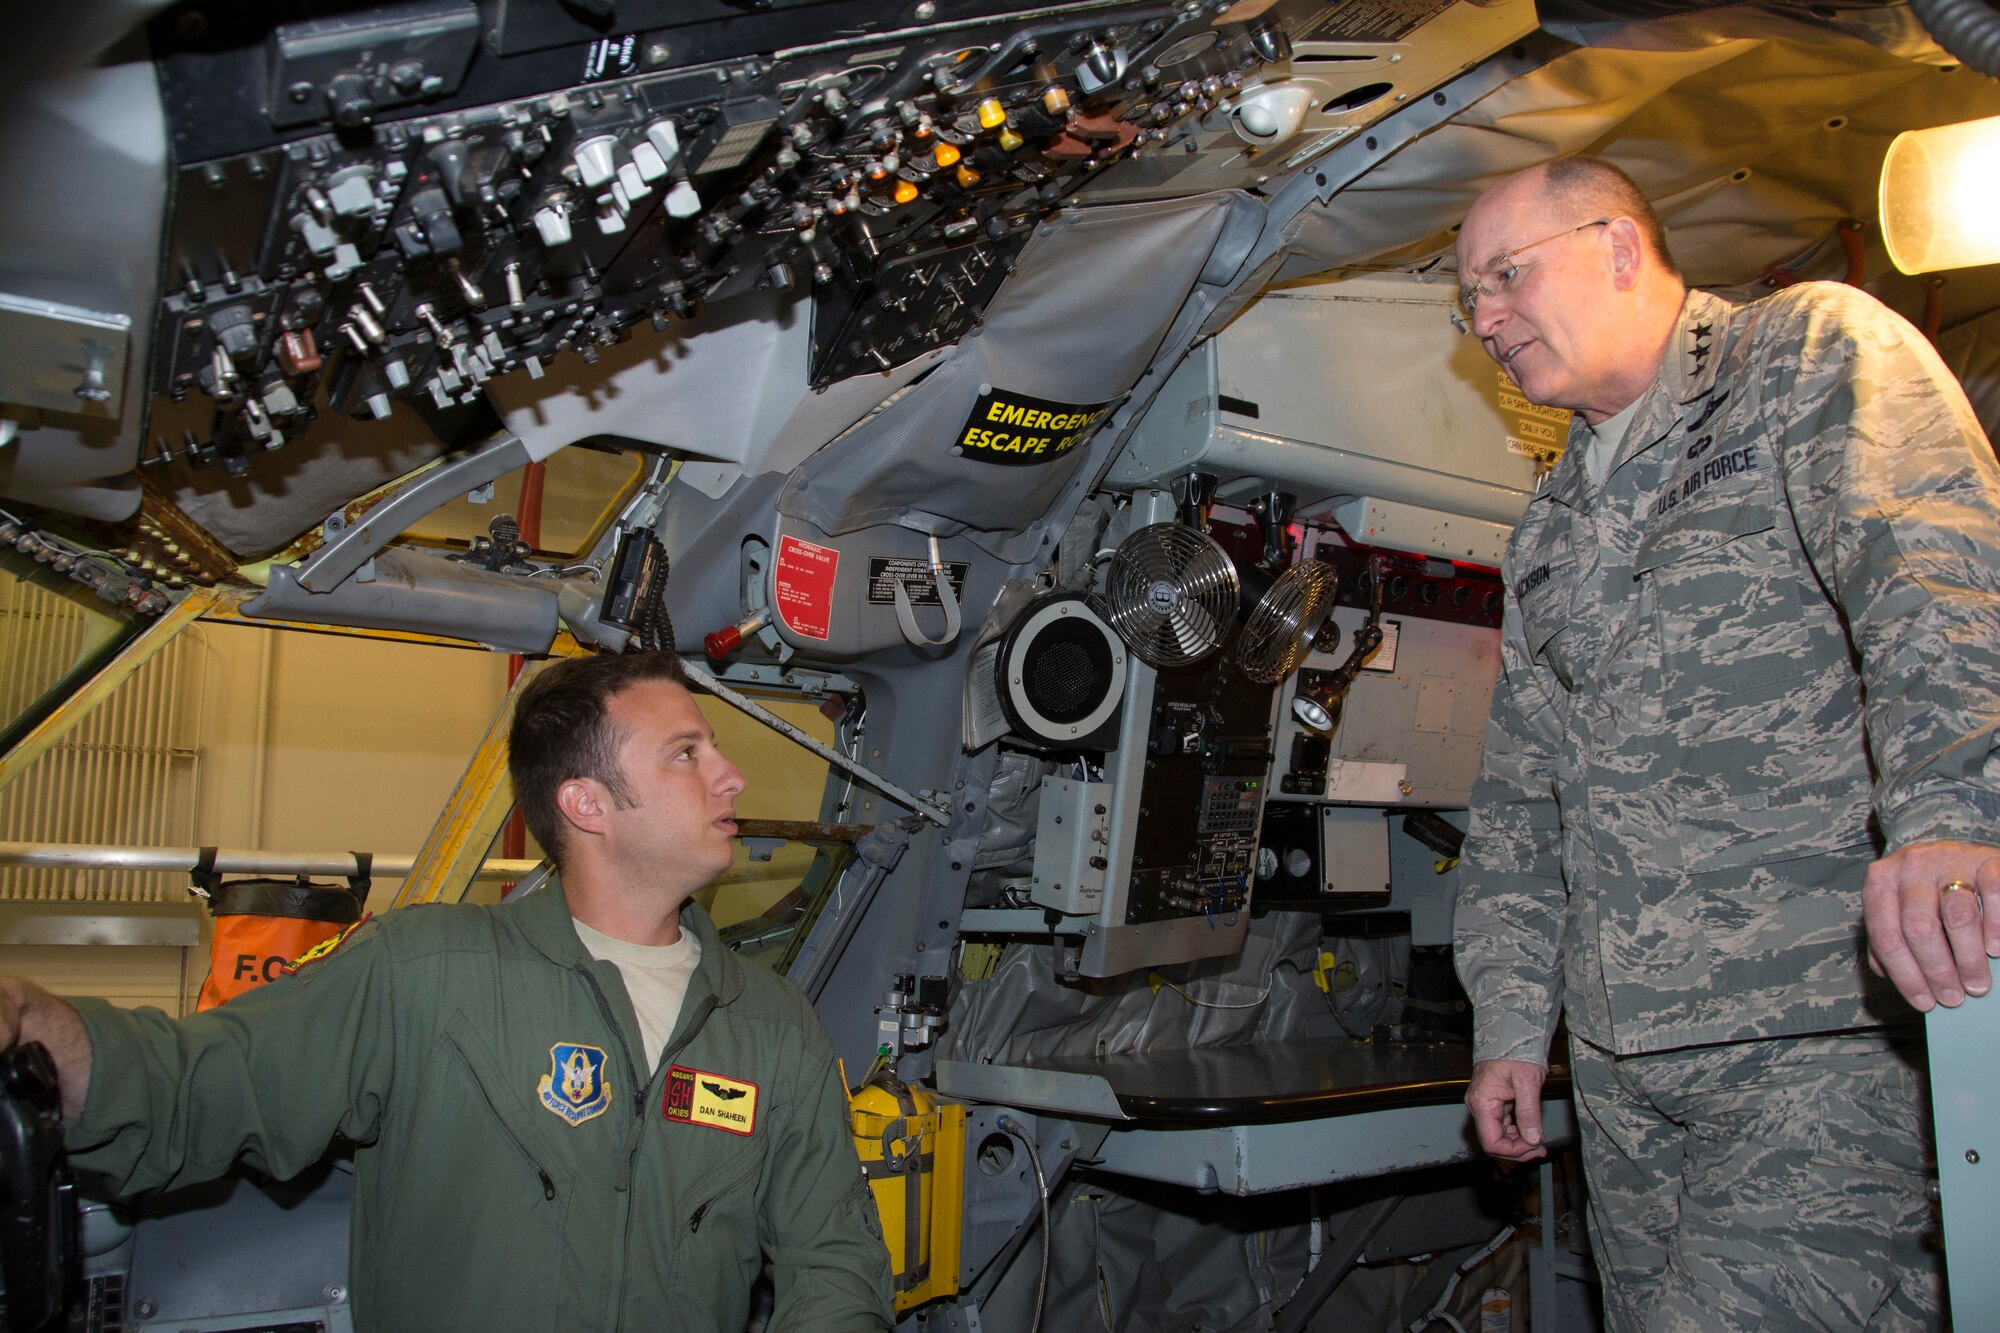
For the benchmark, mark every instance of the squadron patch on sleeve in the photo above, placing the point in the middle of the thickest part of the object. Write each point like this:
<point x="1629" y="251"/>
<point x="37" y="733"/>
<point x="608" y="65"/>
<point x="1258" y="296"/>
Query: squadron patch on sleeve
<point x="701" y="1098"/>
<point x="575" y="1087"/>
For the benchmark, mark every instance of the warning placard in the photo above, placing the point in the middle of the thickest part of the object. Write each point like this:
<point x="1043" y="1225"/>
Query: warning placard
<point x="1366" y="20"/>
<point x="1534" y="431"/>
<point x="802" y="586"/>
<point x="1015" y="429"/>
<point x="916" y="576"/>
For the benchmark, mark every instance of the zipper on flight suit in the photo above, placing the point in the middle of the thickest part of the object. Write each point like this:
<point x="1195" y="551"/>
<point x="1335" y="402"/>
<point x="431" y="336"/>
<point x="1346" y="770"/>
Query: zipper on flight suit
<point x="610" y="1021"/>
<point x="548" y="1182"/>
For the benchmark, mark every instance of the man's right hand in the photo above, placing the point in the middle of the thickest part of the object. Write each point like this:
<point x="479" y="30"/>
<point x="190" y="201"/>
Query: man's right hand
<point x="10" y="1013"/>
<point x="29" y="1013"/>
<point x="1505" y="1099"/>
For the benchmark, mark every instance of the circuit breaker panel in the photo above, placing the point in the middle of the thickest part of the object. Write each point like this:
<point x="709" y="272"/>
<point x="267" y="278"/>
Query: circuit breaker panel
<point x="1208" y="749"/>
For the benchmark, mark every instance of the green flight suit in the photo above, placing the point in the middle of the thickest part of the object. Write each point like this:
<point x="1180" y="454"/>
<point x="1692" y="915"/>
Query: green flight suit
<point x="515" y="1170"/>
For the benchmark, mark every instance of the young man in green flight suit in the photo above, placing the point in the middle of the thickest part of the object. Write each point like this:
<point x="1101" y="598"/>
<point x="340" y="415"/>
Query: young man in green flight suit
<point x="576" y="1109"/>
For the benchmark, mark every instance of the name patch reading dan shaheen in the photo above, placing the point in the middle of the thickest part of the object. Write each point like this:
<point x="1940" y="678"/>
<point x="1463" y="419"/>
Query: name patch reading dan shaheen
<point x="1015" y="429"/>
<point x="699" y="1097"/>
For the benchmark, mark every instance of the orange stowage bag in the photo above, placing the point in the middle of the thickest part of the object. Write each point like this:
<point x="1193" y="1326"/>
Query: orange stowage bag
<point x="262" y="926"/>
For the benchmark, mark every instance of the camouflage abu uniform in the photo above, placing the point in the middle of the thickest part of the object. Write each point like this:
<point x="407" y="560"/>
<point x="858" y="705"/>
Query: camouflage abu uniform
<point x="1673" y="812"/>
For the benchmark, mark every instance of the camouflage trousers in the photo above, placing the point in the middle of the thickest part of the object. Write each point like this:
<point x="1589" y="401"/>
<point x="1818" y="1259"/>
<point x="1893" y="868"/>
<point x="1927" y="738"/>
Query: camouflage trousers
<point x="1761" y="1185"/>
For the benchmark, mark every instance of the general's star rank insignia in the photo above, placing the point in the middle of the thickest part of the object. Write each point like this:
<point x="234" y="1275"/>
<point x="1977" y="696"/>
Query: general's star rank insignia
<point x="698" y="1097"/>
<point x="575" y="1087"/>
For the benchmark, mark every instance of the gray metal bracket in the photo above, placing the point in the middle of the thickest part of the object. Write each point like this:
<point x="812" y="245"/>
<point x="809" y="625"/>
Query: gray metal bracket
<point x="1336" y="1264"/>
<point x="1266" y="1158"/>
<point x="930" y="810"/>
<point x="1086" y="1095"/>
<point x="1965" y="1102"/>
<point x="1360" y="153"/>
<point x="349" y="546"/>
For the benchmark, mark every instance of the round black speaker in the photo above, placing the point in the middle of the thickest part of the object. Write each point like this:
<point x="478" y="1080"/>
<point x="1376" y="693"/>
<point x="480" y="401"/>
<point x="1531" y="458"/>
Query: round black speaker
<point x="1061" y="675"/>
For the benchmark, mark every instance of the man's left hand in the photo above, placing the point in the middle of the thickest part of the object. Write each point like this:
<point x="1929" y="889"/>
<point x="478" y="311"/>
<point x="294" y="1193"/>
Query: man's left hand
<point x="1933" y="917"/>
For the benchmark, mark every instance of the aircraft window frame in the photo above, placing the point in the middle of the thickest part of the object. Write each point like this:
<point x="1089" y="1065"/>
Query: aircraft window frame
<point x="440" y="529"/>
<point x="129" y="625"/>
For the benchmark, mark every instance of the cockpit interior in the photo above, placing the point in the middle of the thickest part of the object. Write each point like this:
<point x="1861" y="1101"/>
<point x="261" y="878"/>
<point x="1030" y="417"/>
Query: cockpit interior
<point x="1048" y="434"/>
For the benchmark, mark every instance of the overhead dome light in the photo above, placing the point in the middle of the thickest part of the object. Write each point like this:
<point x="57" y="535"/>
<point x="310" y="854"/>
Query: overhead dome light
<point x="1940" y="197"/>
<point x="1270" y="113"/>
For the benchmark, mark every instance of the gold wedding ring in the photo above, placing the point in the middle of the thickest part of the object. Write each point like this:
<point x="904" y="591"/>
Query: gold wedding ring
<point x="1949" y="885"/>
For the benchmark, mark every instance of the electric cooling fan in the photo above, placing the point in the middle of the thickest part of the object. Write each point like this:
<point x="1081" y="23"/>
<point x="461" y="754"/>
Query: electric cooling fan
<point x="1171" y="594"/>
<point x="1280" y="627"/>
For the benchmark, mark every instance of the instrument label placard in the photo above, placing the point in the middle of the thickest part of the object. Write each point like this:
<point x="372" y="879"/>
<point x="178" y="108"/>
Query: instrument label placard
<point x="802" y="586"/>
<point x="915" y="574"/>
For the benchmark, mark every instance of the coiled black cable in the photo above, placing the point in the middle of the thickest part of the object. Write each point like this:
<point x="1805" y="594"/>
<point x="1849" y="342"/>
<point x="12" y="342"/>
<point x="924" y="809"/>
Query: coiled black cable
<point x="1968" y="30"/>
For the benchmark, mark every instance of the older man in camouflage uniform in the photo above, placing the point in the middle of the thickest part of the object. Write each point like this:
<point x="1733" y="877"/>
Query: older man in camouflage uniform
<point x="1750" y="680"/>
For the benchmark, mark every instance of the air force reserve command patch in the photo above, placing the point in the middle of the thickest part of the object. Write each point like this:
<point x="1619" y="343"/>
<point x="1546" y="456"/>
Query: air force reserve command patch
<point x="575" y="1087"/>
<point x="701" y="1098"/>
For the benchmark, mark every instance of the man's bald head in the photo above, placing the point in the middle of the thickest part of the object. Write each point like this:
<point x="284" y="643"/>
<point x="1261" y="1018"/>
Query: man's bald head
<point x="1590" y="187"/>
<point x="1570" y="286"/>
<point x="1571" y="191"/>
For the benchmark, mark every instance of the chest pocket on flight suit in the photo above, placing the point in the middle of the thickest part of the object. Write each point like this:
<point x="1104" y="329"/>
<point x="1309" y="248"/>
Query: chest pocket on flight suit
<point x="717" y="1174"/>
<point x="1545" y="594"/>
<point x="1751" y="659"/>
<point x="1726" y="596"/>
<point x="508" y="1186"/>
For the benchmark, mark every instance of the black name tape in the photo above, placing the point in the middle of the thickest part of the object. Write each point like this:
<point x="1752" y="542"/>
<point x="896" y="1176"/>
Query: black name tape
<point x="1014" y="429"/>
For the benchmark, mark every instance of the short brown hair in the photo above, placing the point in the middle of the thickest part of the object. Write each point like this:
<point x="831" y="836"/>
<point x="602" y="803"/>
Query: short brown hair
<point x="1589" y="187"/>
<point x="562" y="729"/>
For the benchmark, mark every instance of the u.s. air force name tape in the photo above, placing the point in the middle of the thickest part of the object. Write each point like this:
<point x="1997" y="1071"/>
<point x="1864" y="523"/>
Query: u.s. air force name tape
<point x="1014" y="429"/>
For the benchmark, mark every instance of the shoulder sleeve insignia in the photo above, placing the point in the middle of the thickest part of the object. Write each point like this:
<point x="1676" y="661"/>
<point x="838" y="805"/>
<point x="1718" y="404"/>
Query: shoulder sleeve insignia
<point x="325" y="946"/>
<point x="575" y="1088"/>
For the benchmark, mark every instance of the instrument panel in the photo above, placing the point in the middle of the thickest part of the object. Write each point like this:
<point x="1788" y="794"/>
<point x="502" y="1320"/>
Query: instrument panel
<point x="403" y="202"/>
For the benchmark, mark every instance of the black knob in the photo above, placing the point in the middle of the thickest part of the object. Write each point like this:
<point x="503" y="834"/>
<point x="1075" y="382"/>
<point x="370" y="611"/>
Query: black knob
<point x="1103" y="63"/>
<point x="1271" y="43"/>
<point x="351" y="101"/>
<point x="234" y="327"/>
<point x="460" y="186"/>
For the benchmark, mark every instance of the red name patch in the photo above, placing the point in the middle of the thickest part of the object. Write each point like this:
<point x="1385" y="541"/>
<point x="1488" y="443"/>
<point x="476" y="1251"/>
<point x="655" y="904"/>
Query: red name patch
<point x="698" y="1097"/>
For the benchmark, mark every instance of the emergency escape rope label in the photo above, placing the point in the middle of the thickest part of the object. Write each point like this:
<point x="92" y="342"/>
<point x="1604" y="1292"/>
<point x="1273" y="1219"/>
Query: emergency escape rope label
<point x="802" y="586"/>
<point x="915" y="574"/>
<point x="1017" y="430"/>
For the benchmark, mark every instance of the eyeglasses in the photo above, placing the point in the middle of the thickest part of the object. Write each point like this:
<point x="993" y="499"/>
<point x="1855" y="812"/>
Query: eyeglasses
<point x="1506" y="270"/>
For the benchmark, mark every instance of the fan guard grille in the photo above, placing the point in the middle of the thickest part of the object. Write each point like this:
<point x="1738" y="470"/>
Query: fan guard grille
<point x="1171" y="594"/>
<point x="1274" y="640"/>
